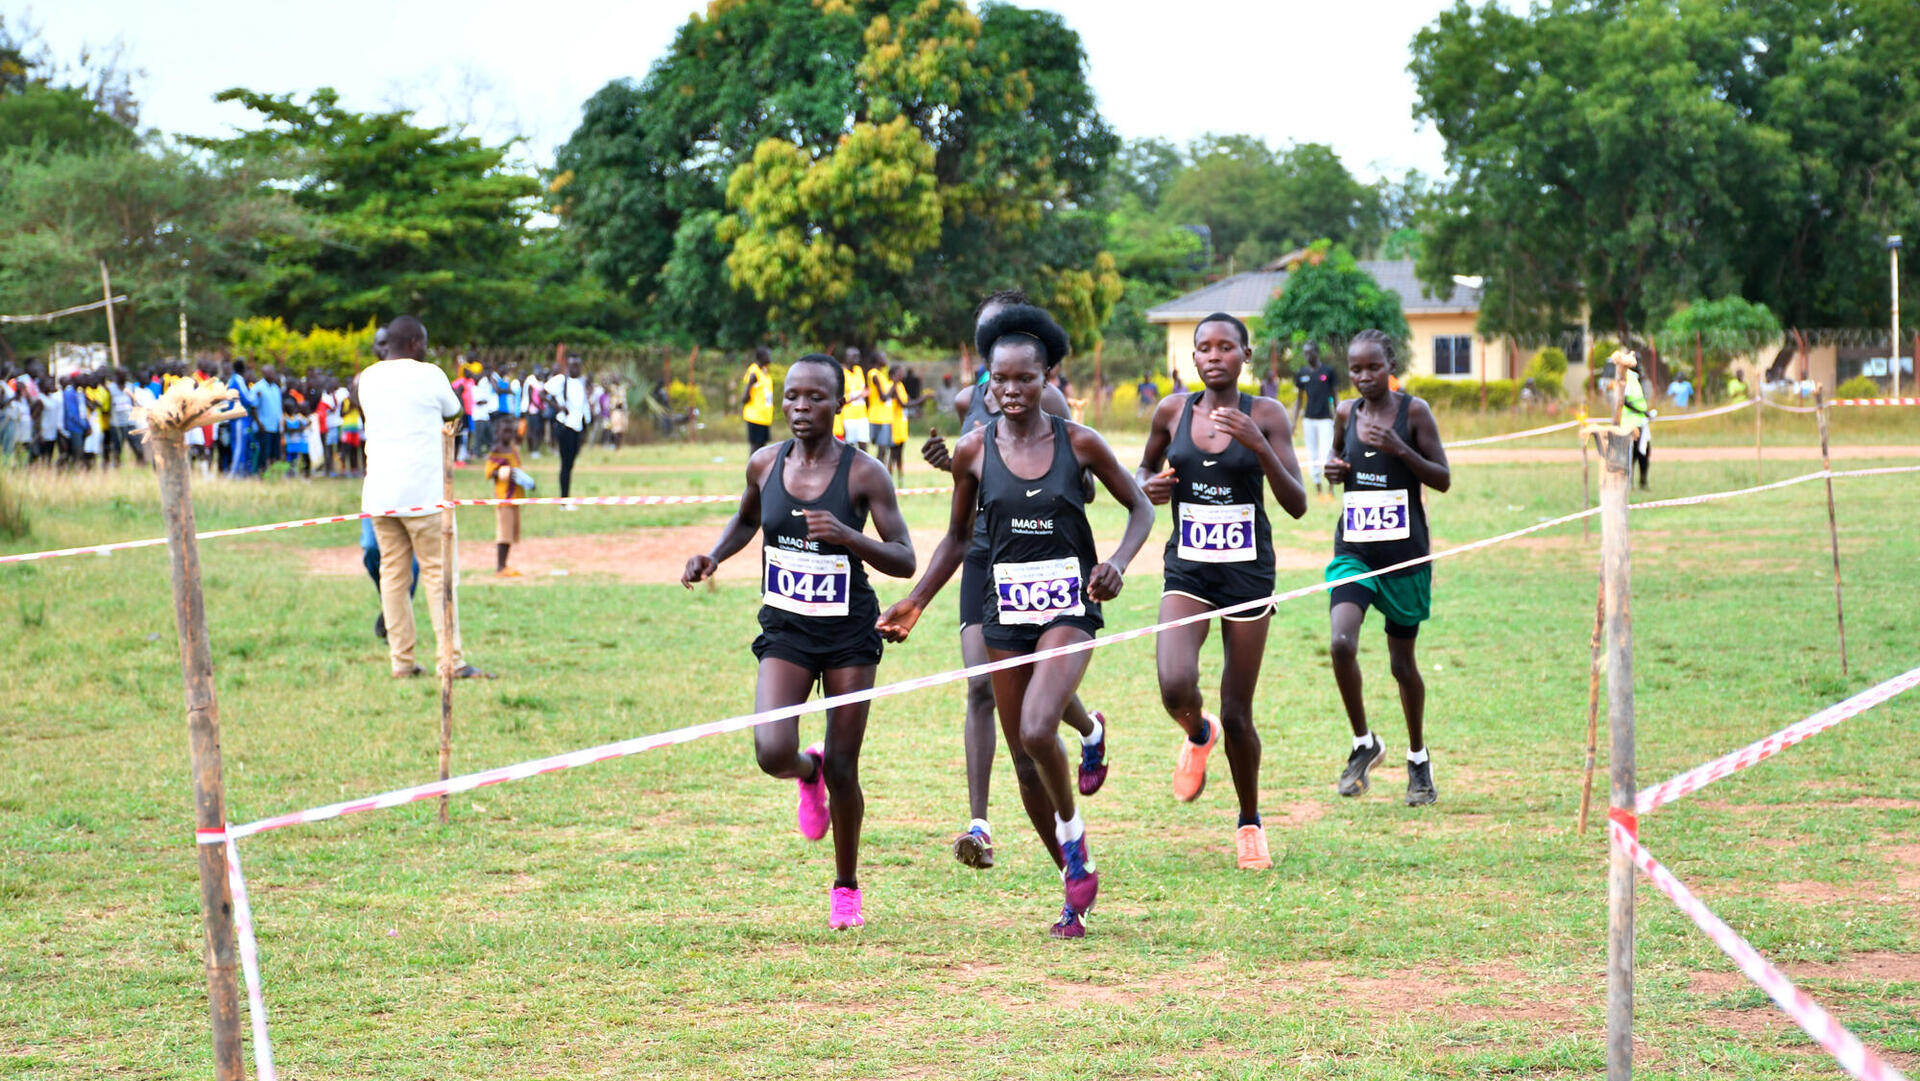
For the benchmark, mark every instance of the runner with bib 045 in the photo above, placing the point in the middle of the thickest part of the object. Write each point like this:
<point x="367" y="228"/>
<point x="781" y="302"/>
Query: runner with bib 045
<point x="1022" y="472"/>
<point x="1386" y="447"/>
<point x="1223" y="447"/>
<point x="809" y="497"/>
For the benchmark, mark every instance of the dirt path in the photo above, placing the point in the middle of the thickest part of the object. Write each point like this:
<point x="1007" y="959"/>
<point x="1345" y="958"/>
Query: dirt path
<point x="658" y="555"/>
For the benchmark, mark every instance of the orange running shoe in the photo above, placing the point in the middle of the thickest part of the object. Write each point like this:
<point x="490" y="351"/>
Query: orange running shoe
<point x="1190" y="771"/>
<point x="507" y="572"/>
<point x="1250" y="842"/>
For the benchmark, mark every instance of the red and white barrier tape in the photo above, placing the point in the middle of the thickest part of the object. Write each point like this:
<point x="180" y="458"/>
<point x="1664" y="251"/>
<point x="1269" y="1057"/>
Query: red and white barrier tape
<point x="250" y="966"/>
<point x="1513" y="435"/>
<point x="1770" y="404"/>
<point x="1719" y="410"/>
<point x="272" y="527"/>
<point x="1854" y="1057"/>
<point x="1876" y="401"/>
<point x="1726" y="765"/>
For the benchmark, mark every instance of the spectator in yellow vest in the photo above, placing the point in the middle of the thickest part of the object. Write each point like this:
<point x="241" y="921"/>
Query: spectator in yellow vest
<point x="756" y="405"/>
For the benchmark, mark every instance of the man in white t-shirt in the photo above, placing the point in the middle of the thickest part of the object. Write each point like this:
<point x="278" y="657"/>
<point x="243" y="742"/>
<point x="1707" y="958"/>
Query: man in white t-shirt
<point x="569" y="390"/>
<point x="404" y="401"/>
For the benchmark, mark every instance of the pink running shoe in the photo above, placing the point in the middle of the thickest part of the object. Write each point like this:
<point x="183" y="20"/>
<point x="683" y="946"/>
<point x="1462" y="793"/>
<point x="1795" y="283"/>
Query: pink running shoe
<point x="1081" y="881"/>
<point x="845" y="910"/>
<point x="814" y="820"/>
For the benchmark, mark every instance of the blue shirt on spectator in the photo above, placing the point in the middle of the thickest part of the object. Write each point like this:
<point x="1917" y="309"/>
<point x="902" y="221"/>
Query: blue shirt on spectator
<point x="266" y="398"/>
<point x="73" y="412"/>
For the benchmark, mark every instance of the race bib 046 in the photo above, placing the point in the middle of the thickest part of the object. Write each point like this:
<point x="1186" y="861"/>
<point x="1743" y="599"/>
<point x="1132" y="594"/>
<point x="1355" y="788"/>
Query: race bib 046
<point x="1031" y="594"/>
<point x="807" y="583"/>
<point x="1216" y="534"/>
<point x="1375" y="516"/>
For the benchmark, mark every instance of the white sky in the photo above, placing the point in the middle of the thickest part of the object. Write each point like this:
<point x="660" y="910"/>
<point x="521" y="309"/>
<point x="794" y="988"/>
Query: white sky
<point x="1284" y="70"/>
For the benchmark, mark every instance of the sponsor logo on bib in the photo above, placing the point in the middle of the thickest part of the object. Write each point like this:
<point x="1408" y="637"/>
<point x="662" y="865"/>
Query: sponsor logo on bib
<point x="1211" y="534"/>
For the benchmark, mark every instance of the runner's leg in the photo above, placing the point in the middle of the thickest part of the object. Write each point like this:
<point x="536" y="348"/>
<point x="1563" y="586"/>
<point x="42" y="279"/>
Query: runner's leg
<point x="979" y="736"/>
<point x="1009" y="687"/>
<point x="1344" y="651"/>
<point x="1413" y="690"/>
<point x="846" y="730"/>
<point x="776" y="746"/>
<point x="1177" y="656"/>
<point x="1246" y="644"/>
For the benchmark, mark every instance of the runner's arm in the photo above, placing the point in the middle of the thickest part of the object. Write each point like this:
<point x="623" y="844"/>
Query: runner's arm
<point x="740" y="528"/>
<point x="1426" y="457"/>
<point x="891" y="553"/>
<point x="1156" y="482"/>
<point x="1336" y="469"/>
<point x="1277" y="459"/>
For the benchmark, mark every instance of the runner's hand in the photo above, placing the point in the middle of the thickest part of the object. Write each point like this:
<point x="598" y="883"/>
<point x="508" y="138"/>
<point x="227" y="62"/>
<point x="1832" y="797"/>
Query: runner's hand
<point x="1337" y="471"/>
<point x="699" y="568"/>
<point x="824" y="527"/>
<point x="1376" y="434"/>
<point x="1239" y="426"/>
<point x="1103" y="582"/>
<point x="934" y="452"/>
<point x="897" y="622"/>
<point x="1159" y="487"/>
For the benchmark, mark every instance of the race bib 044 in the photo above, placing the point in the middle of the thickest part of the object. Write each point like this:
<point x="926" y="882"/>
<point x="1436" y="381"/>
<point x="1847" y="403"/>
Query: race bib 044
<point x="1375" y="516"/>
<point x="807" y="583"/>
<point x="1216" y="534"/>
<point x="1031" y="594"/>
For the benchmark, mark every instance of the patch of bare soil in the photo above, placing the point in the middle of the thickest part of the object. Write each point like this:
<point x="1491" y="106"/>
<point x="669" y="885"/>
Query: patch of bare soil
<point x="1882" y="966"/>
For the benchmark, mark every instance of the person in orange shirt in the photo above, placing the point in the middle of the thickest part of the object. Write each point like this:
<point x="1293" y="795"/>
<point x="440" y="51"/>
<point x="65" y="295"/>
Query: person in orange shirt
<point x="503" y="462"/>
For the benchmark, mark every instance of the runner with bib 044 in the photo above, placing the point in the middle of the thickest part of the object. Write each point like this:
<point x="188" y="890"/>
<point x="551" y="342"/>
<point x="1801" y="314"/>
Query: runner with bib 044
<point x="809" y="497"/>
<point x="1022" y="472"/>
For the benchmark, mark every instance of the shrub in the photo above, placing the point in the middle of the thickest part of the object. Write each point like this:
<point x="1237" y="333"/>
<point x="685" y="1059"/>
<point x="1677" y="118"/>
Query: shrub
<point x="15" y="522"/>
<point x="681" y="395"/>
<point x="1548" y="370"/>
<point x="1462" y="393"/>
<point x="1860" y="386"/>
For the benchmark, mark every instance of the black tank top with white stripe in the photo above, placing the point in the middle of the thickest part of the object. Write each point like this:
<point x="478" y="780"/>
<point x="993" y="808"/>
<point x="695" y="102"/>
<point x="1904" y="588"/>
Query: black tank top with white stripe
<point x="809" y="587"/>
<point x="1038" y="540"/>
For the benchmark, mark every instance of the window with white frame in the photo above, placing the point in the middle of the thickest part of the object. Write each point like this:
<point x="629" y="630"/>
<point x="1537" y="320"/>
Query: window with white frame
<point x="1453" y="354"/>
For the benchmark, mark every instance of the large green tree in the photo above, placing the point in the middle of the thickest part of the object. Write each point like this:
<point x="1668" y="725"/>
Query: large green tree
<point x="1637" y="153"/>
<point x="404" y="218"/>
<point x="1328" y="299"/>
<point x="998" y="98"/>
<point x="1259" y="204"/>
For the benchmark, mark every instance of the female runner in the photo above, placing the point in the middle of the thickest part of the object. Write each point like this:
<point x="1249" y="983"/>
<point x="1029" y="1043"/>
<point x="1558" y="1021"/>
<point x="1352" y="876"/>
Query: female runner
<point x="1022" y="472"/>
<point x="809" y="498"/>
<point x="1220" y="446"/>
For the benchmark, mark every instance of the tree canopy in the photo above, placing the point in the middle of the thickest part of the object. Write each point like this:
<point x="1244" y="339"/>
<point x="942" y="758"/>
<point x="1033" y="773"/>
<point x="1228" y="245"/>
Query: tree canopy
<point x="1328" y="299"/>
<point x="1639" y="153"/>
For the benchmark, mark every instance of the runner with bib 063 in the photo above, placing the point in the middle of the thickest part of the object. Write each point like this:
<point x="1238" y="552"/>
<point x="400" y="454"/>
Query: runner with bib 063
<point x="1022" y="472"/>
<point x="975" y="406"/>
<point x="1222" y="447"/>
<point x="1386" y="448"/>
<point x="809" y="497"/>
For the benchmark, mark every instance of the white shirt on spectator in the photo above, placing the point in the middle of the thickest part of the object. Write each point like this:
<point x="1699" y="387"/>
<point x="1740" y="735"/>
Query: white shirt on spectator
<point x="403" y="403"/>
<point x="570" y="393"/>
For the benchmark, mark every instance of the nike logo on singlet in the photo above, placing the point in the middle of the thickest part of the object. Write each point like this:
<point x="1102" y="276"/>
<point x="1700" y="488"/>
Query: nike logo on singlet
<point x="1369" y="454"/>
<point x="1031" y="492"/>
<point x="1209" y="461"/>
<point x="798" y="513"/>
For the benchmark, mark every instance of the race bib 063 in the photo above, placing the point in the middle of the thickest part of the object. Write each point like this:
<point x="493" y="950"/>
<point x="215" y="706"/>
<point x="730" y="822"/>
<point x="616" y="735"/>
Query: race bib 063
<point x="1375" y="516"/>
<point x="1032" y="594"/>
<point x="807" y="583"/>
<point x="1216" y="534"/>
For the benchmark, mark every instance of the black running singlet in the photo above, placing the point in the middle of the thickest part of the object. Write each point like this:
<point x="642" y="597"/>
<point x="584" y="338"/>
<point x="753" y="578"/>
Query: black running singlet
<point x="1382" y="519"/>
<point x="808" y="587"/>
<point x="1219" y="510"/>
<point x="1038" y="540"/>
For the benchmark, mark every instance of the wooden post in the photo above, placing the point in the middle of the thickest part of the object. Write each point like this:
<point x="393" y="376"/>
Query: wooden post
<point x="447" y="575"/>
<point x="1586" y="491"/>
<point x="1593" y="695"/>
<point x="1758" y="389"/>
<point x="203" y="744"/>
<point x="1833" y="528"/>
<point x="113" y="336"/>
<point x="1616" y="454"/>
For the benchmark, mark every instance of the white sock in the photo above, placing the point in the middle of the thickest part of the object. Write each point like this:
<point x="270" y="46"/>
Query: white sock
<point x="1360" y="742"/>
<point x="1068" y="829"/>
<point x="1094" y="737"/>
<point x="1417" y="758"/>
<point x="981" y="825"/>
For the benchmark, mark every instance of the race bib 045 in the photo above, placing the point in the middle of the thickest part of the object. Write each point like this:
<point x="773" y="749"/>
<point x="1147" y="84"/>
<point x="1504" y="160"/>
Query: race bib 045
<point x="807" y="583"/>
<point x="1375" y="516"/>
<point x="1216" y="534"/>
<point x="1031" y="594"/>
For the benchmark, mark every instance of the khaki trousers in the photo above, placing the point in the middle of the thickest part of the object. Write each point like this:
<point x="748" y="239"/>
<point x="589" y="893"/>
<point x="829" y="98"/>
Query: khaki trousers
<point x="403" y="540"/>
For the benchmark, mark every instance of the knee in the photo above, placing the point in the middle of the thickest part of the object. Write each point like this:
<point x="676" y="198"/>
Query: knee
<point x="979" y="693"/>
<point x="1236" y="723"/>
<point x="1179" y="686"/>
<point x="1026" y="773"/>
<point x="841" y="772"/>
<point x="1343" y="647"/>
<point x="1405" y="670"/>
<point x="775" y="759"/>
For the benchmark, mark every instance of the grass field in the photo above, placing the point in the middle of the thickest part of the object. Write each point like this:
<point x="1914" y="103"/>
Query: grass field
<point x="659" y="917"/>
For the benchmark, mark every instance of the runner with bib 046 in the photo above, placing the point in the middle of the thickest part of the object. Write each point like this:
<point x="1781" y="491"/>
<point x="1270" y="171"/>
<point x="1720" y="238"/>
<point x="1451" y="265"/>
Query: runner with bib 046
<point x="1022" y="472"/>
<point x="1386" y="448"/>
<point x="1223" y="447"/>
<point x="809" y="498"/>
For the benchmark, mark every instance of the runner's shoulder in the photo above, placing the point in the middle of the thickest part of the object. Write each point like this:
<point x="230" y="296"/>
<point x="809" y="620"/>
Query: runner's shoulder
<point x="760" y="462"/>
